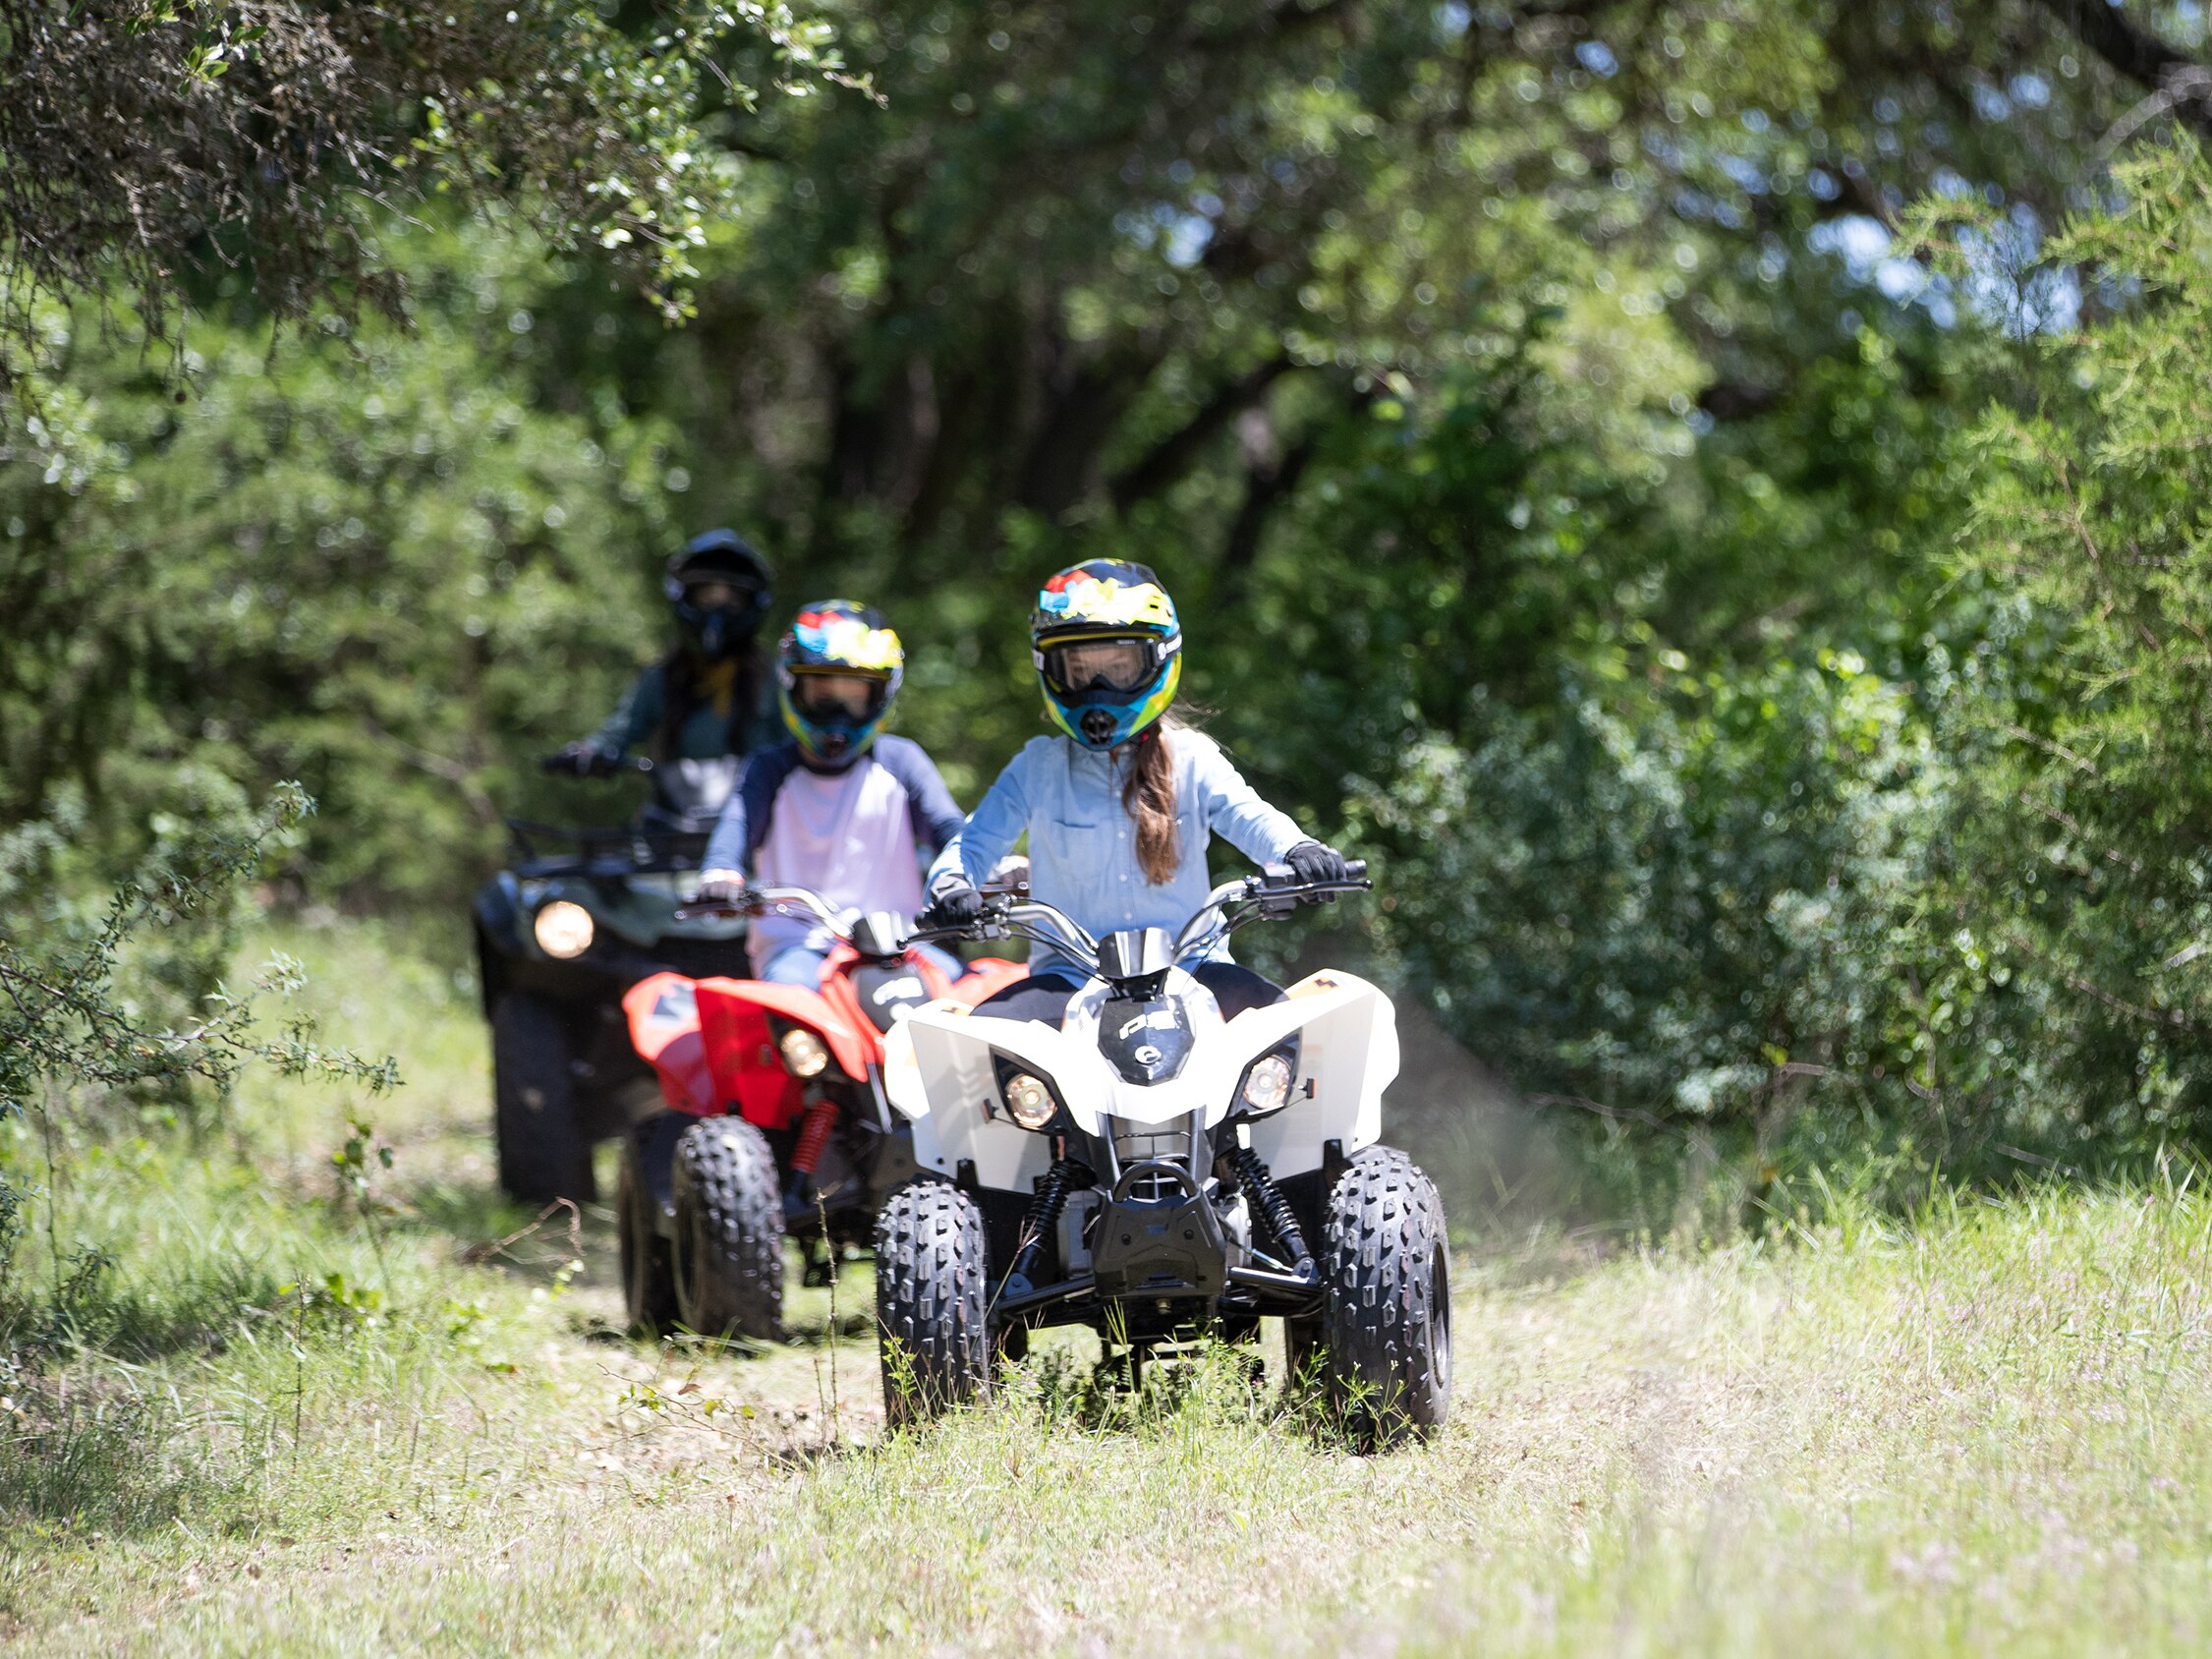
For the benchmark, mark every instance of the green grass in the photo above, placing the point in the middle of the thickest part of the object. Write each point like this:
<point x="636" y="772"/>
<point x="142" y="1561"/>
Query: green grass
<point x="1989" y="1431"/>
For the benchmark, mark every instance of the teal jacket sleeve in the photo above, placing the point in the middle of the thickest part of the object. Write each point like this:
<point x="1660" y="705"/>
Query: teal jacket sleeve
<point x="636" y="718"/>
<point x="1000" y="818"/>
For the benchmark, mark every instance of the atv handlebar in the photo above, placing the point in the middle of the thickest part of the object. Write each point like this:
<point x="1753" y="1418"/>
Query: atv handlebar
<point x="1010" y="913"/>
<point x="770" y="902"/>
<point x="582" y="762"/>
<point x="1274" y="892"/>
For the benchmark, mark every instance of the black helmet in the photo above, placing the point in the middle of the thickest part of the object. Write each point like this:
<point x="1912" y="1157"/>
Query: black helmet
<point x="717" y="624"/>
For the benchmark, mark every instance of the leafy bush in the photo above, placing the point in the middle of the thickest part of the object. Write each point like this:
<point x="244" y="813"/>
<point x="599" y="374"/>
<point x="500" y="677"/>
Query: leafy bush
<point x="374" y="563"/>
<point x="122" y="1005"/>
<point x="2092" y="807"/>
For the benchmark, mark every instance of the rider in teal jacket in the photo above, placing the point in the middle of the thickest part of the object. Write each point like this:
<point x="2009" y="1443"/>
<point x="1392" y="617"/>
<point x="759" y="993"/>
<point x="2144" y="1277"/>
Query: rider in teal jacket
<point x="711" y="695"/>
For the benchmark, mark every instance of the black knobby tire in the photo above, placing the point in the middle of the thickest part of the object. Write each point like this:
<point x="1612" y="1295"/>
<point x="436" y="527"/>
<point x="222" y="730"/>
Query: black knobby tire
<point x="728" y="1253"/>
<point x="930" y="1266"/>
<point x="544" y="1152"/>
<point x="649" y="1287"/>
<point x="1386" y="1310"/>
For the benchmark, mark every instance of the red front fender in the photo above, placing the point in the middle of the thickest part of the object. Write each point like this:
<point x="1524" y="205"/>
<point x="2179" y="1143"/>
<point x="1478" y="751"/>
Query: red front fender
<point x="664" y="1014"/>
<point x="741" y="1050"/>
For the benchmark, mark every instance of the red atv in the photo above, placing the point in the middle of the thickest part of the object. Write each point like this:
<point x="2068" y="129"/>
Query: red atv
<point x="778" y="1126"/>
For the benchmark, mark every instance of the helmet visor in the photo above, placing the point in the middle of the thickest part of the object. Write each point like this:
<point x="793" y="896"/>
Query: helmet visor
<point x="1101" y="664"/>
<point x="717" y="593"/>
<point x="830" y="697"/>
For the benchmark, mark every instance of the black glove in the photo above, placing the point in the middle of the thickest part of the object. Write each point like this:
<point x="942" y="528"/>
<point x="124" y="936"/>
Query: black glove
<point x="586" y="762"/>
<point x="1315" y="862"/>
<point x="722" y="890"/>
<point x="953" y="903"/>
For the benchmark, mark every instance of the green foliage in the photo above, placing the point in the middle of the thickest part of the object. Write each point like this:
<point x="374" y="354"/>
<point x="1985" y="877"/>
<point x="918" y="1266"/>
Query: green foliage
<point x="144" y="141"/>
<point x="65" y="1024"/>
<point x="2093" y="804"/>
<point x="375" y="563"/>
<point x="1677" y="898"/>
<point x="123" y="1004"/>
<point x="1560" y="505"/>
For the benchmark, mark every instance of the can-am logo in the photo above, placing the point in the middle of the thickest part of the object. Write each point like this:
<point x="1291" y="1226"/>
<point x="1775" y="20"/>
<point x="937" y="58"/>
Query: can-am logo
<point x="1147" y="1056"/>
<point x="1159" y="1019"/>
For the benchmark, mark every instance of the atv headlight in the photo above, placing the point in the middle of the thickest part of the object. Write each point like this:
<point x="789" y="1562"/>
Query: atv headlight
<point x="563" y="930"/>
<point x="1267" y="1086"/>
<point x="802" y="1053"/>
<point x="1029" y="1102"/>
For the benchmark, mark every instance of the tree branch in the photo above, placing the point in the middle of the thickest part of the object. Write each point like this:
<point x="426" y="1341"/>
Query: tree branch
<point x="2140" y="54"/>
<point x="1267" y="487"/>
<point x="1171" y="457"/>
<point x="1273" y="23"/>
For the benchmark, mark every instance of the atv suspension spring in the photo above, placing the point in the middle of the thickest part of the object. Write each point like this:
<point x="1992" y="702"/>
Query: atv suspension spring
<point x="1062" y="1179"/>
<point x="814" y="1135"/>
<point x="1273" y="1207"/>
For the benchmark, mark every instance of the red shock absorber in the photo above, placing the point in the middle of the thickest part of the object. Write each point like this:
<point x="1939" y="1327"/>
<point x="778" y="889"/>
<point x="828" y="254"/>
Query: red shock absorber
<point x="814" y="1135"/>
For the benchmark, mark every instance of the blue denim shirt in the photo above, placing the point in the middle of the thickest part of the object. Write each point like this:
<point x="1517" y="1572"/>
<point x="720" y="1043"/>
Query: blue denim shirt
<point x="1083" y="844"/>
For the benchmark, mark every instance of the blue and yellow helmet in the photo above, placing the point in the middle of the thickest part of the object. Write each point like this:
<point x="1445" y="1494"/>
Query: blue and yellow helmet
<point x="832" y="644"/>
<point x="1108" y="650"/>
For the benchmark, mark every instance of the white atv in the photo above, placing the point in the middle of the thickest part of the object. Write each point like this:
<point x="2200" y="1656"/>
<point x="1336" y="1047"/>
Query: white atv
<point x="1156" y="1173"/>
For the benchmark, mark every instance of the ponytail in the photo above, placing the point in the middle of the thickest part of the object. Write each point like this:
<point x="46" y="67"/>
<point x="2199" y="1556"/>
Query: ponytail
<point x="1149" y="797"/>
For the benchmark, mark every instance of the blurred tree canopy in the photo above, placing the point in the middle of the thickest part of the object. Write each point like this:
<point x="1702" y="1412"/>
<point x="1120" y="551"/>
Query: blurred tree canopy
<point x="1566" y="426"/>
<point x="146" y="144"/>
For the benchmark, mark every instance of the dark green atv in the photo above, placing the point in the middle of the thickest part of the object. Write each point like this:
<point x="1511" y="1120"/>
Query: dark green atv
<point x="577" y="918"/>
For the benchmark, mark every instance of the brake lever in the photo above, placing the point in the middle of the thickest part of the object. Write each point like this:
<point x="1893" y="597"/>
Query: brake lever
<point x="715" y="912"/>
<point x="754" y="905"/>
<point x="1279" y="892"/>
<point x="1326" y="892"/>
<point x="990" y="922"/>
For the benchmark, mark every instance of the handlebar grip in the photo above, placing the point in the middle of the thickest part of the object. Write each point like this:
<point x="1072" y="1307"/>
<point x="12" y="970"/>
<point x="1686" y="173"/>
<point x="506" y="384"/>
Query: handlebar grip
<point x="1355" y="868"/>
<point x="604" y="766"/>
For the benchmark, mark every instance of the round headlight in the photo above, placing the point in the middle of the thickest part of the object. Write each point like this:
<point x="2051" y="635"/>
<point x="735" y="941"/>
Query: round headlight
<point x="1029" y="1102"/>
<point x="802" y="1053"/>
<point x="1267" y="1084"/>
<point x="563" y="930"/>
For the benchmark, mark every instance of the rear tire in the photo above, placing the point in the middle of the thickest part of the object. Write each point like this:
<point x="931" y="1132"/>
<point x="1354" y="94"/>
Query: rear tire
<point x="931" y="1264"/>
<point x="544" y="1150"/>
<point x="648" y="1288"/>
<point x="1386" y="1313"/>
<point x="727" y="1258"/>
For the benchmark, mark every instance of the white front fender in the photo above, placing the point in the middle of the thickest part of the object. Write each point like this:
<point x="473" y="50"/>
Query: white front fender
<point x="938" y="1071"/>
<point x="1348" y="1054"/>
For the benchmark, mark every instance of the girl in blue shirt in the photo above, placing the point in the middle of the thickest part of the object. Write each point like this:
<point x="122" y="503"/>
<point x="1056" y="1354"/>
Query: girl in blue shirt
<point x="1120" y="808"/>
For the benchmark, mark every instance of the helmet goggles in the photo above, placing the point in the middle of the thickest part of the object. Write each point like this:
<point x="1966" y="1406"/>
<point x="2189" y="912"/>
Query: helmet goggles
<point x="830" y="696"/>
<point x="1091" y="663"/>
<point x="838" y="668"/>
<point x="719" y="589"/>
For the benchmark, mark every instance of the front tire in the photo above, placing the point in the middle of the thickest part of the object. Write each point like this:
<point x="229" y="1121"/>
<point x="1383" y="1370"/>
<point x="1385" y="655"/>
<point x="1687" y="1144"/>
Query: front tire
<point x="727" y="1258"/>
<point x="1387" y="1311"/>
<point x="931" y="1264"/>
<point x="648" y="1287"/>
<point x="544" y="1153"/>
